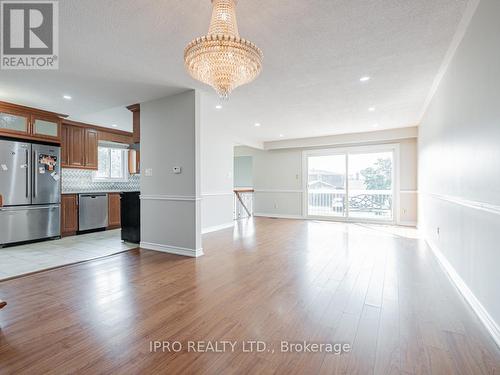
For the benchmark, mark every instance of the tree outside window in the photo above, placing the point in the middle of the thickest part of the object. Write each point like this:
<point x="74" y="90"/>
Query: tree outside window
<point x="379" y="176"/>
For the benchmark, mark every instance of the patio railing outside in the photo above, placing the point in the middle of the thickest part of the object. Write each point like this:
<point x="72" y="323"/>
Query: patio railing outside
<point x="370" y="204"/>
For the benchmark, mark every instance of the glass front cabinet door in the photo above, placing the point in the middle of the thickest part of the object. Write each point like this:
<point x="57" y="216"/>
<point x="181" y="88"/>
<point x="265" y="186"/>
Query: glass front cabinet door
<point x="12" y="122"/>
<point x="46" y="127"/>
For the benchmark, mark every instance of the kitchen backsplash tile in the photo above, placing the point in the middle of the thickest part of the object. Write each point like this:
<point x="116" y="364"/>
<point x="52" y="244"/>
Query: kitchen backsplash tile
<point x="80" y="181"/>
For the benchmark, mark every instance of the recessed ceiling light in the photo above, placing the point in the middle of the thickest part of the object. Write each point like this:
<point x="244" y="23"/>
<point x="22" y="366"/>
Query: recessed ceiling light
<point x="375" y="125"/>
<point x="364" y="79"/>
<point x="257" y="124"/>
<point x="281" y="135"/>
<point x="67" y="97"/>
<point x="371" y="109"/>
<point x="114" y="126"/>
<point x="218" y="106"/>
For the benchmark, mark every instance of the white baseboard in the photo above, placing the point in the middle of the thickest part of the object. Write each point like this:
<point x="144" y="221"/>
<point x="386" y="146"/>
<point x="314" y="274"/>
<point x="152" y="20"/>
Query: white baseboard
<point x="216" y="228"/>
<point x="194" y="253"/>
<point x="279" y="216"/>
<point x="462" y="287"/>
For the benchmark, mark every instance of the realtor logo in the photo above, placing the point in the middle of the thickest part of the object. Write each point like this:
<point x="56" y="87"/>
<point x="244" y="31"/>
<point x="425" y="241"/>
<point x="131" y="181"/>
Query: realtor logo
<point x="30" y="35"/>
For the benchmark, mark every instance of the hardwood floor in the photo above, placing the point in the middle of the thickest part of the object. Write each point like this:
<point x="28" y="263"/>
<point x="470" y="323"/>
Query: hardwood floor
<point x="270" y="280"/>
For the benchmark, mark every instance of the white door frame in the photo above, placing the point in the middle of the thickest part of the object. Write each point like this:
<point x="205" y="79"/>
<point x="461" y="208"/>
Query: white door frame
<point x="391" y="147"/>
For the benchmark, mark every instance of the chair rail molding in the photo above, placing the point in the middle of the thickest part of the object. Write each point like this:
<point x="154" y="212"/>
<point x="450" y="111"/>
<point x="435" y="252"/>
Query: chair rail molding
<point x="279" y="190"/>
<point x="216" y="193"/>
<point x="487" y="207"/>
<point x="180" y="198"/>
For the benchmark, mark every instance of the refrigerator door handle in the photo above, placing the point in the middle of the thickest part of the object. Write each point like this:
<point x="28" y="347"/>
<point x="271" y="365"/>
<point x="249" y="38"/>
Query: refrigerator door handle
<point x="27" y="167"/>
<point x="29" y="208"/>
<point x="34" y="166"/>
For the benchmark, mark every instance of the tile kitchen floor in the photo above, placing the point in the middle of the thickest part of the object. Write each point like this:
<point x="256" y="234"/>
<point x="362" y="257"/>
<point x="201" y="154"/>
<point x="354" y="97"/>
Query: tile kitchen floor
<point x="19" y="260"/>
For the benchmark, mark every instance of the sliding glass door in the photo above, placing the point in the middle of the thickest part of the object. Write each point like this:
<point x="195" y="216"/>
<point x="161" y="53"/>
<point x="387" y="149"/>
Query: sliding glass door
<point x="352" y="184"/>
<point x="327" y="186"/>
<point x="370" y="186"/>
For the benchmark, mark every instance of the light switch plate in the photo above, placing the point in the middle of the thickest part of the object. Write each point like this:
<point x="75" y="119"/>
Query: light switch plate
<point x="148" y="172"/>
<point x="177" y="170"/>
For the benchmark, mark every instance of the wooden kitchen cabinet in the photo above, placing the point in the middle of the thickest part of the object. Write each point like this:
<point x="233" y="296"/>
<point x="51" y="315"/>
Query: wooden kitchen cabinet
<point x="76" y="147"/>
<point x="114" y="213"/>
<point x="134" y="161"/>
<point x="91" y="147"/>
<point x="79" y="147"/>
<point x="69" y="214"/>
<point x="80" y="143"/>
<point x="46" y="127"/>
<point x="65" y="139"/>
<point x="14" y="123"/>
<point x="29" y="123"/>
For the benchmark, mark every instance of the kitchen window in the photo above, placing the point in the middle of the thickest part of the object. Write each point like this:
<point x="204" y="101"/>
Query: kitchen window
<point x="112" y="164"/>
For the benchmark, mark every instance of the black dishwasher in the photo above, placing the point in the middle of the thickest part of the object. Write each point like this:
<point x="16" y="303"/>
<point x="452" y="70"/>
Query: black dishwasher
<point x="131" y="216"/>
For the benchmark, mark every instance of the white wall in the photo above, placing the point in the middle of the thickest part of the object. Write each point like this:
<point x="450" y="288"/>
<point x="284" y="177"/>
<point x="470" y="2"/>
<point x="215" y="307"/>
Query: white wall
<point x="217" y="145"/>
<point x="459" y="166"/>
<point x="278" y="177"/>
<point x="170" y="203"/>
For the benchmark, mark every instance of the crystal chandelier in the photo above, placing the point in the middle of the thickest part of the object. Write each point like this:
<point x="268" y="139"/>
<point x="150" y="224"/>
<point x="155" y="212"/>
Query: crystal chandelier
<point x="222" y="59"/>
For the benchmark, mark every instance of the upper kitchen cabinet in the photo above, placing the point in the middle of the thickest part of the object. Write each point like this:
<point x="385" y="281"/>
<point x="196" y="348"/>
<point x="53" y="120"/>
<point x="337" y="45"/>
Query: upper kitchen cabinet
<point x="46" y="127"/>
<point x="65" y="139"/>
<point x="134" y="163"/>
<point x="75" y="147"/>
<point x="80" y="143"/>
<point x="79" y="147"/>
<point x="134" y="152"/>
<point x="14" y="123"/>
<point x="29" y="123"/>
<point x="91" y="148"/>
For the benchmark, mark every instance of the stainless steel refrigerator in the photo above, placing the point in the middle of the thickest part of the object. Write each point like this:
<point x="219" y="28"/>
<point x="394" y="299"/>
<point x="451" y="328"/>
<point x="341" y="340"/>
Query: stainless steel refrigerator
<point x="30" y="187"/>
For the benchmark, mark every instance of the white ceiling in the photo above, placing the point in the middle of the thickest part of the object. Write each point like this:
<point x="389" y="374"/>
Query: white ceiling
<point x="119" y="52"/>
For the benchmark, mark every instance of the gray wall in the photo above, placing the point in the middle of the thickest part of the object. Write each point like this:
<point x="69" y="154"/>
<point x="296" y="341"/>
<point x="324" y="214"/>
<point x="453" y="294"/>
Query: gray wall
<point x="170" y="203"/>
<point x="459" y="162"/>
<point x="217" y="145"/>
<point x="243" y="171"/>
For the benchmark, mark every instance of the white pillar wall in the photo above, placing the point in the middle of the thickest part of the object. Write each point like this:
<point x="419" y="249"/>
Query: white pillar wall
<point x="171" y="201"/>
